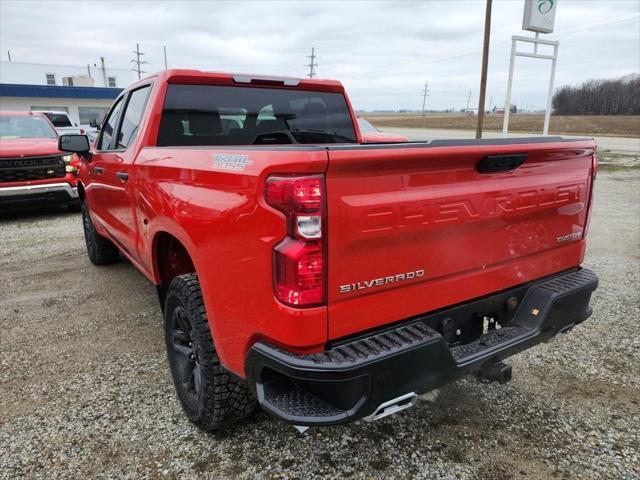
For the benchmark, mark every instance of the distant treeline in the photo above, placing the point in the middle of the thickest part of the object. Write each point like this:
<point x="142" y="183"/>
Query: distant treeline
<point x="599" y="97"/>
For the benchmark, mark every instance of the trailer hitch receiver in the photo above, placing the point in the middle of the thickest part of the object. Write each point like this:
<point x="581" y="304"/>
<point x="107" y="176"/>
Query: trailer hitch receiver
<point x="494" y="372"/>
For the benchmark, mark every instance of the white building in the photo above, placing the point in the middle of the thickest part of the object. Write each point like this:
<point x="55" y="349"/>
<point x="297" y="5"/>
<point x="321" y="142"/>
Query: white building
<point x="65" y="75"/>
<point x="85" y="93"/>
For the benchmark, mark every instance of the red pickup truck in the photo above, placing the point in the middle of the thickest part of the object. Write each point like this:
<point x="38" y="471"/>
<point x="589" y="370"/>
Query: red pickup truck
<point x="32" y="169"/>
<point x="324" y="279"/>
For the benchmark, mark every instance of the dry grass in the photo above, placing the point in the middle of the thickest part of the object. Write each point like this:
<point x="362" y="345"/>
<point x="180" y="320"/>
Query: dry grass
<point x="608" y="125"/>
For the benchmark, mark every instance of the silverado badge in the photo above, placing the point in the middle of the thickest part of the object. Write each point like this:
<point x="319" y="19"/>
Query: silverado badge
<point x="378" y="282"/>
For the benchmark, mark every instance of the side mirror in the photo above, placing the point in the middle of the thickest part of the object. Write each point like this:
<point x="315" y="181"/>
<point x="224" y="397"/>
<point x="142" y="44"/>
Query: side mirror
<point x="75" y="144"/>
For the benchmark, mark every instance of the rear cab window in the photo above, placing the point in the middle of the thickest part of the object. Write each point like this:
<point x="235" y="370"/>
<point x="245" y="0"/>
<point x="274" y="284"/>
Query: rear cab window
<point x="228" y="115"/>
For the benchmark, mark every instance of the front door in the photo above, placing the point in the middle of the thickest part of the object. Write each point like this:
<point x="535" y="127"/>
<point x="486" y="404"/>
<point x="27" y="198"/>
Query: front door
<point x="117" y="175"/>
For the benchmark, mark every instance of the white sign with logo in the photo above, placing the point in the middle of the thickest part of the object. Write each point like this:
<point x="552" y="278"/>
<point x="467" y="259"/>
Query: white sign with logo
<point x="539" y="15"/>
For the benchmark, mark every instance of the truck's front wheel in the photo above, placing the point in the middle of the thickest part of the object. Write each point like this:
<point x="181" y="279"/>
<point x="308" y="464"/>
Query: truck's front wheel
<point x="209" y="395"/>
<point x="99" y="249"/>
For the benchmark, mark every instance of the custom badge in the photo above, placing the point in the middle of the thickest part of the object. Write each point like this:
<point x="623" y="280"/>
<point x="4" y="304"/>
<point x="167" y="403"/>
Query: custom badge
<point x="569" y="237"/>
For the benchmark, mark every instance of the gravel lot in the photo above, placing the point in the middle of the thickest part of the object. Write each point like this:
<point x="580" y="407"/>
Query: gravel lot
<point x="86" y="391"/>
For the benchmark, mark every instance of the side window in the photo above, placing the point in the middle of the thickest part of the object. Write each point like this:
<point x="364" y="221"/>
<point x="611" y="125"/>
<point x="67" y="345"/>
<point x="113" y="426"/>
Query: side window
<point x="132" y="116"/>
<point x="109" y="126"/>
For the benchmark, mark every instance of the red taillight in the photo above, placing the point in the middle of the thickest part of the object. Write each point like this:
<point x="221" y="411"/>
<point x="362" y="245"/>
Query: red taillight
<point x="295" y="194"/>
<point x="299" y="264"/>
<point x="299" y="272"/>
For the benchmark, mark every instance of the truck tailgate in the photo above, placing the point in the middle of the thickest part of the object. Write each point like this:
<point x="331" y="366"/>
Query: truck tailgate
<point x="417" y="227"/>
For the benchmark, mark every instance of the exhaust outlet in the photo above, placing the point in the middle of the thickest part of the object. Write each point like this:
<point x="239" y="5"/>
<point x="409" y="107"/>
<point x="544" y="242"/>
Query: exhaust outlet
<point x="393" y="406"/>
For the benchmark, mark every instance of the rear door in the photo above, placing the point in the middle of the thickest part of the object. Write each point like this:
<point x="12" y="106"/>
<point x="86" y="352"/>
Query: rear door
<point x="415" y="228"/>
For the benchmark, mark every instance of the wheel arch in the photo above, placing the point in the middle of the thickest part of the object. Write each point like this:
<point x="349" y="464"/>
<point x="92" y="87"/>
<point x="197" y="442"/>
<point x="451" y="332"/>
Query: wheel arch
<point x="171" y="258"/>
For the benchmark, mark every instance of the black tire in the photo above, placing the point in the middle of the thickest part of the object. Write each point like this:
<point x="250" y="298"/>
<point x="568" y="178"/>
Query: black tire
<point x="99" y="249"/>
<point x="210" y="396"/>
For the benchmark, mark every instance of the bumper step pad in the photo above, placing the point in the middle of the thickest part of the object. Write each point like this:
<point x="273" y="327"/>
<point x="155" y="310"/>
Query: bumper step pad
<point x="350" y="380"/>
<point x="297" y="402"/>
<point x="490" y="339"/>
<point x="384" y="343"/>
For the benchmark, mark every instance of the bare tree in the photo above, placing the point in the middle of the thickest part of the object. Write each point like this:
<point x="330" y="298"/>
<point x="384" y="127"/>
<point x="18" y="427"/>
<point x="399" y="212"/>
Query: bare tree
<point x="599" y="97"/>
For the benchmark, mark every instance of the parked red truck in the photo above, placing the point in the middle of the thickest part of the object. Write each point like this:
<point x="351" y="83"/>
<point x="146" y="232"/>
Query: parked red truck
<point x="325" y="279"/>
<point x="32" y="169"/>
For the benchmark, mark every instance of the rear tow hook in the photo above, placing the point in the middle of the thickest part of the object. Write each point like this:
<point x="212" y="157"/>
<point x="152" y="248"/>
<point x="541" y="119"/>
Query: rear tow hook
<point x="494" y="372"/>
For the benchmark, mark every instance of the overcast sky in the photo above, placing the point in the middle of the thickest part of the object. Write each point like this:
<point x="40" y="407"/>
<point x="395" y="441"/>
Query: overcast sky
<point x="382" y="51"/>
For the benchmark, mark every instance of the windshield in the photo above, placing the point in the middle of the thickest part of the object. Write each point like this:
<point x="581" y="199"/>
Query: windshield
<point x="220" y="115"/>
<point x="59" y="119"/>
<point x="25" y="126"/>
<point x="366" y="127"/>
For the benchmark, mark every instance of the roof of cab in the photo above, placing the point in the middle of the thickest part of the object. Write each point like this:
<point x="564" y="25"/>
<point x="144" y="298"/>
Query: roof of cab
<point x="198" y="77"/>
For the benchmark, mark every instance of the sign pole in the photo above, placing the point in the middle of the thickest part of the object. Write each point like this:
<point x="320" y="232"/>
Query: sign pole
<point x="547" y="113"/>
<point x="539" y="17"/>
<point x="507" y="101"/>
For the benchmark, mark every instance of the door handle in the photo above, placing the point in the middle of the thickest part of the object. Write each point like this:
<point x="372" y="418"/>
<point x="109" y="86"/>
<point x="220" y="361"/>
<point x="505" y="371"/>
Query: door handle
<point x="98" y="170"/>
<point x="123" y="176"/>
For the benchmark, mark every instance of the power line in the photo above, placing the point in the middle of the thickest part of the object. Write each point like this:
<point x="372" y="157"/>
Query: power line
<point x="312" y="64"/>
<point x="137" y="63"/>
<point x="425" y="94"/>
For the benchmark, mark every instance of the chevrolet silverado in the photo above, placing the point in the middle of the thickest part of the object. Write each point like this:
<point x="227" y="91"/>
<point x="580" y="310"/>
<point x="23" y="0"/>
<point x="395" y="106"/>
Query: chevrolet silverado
<point x="319" y="277"/>
<point x="32" y="169"/>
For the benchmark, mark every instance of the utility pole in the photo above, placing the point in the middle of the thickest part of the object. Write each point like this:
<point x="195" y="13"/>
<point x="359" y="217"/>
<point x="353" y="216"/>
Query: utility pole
<point x="468" y="102"/>
<point x="312" y="64"/>
<point x="490" y="103"/>
<point x="137" y="63"/>
<point x="165" y="56"/>
<point x="9" y="55"/>
<point x="425" y="94"/>
<point x="104" y="72"/>
<point x="485" y="63"/>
